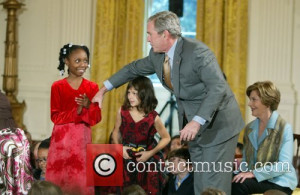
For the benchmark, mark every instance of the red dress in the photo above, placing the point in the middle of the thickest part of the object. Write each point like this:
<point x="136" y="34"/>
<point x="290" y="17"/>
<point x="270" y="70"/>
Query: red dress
<point x="66" y="163"/>
<point x="142" y="133"/>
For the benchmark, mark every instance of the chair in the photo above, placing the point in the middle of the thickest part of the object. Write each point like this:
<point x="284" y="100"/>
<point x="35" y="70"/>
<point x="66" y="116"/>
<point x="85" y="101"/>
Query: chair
<point x="296" y="157"/>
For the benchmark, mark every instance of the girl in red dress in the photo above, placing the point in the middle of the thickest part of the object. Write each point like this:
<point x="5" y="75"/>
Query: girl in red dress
<point x="137" y="123"/>
<point x="72" y="114"/>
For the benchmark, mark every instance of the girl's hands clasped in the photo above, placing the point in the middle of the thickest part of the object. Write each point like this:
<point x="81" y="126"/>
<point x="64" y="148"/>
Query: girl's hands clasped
<point x="83" y="100"/>
<point x="125" y="153"/>
<point x="143" y="156"/>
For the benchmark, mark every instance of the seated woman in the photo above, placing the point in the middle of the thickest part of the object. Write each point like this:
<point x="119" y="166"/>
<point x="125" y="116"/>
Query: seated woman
<point x="268" y="146"/>
<point x="15" y="169"/>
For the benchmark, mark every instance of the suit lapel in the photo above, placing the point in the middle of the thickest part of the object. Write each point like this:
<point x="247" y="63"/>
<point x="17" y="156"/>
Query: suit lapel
<point x="160" y="75"/>
<point x="253" y="139"/>
<point x="176" y="65"/>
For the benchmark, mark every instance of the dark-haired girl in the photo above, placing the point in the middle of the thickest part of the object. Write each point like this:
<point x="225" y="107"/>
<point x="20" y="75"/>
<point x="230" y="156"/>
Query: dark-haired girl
<point x="72" y="114"/>
<point x="138" y="122"/>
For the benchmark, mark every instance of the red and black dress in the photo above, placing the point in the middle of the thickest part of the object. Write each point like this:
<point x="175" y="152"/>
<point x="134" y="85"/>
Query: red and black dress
<point x="141" y="134"/>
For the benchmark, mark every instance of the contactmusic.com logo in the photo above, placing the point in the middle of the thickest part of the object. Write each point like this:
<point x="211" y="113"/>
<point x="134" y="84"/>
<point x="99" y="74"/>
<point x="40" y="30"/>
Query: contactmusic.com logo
<point x="104" y="165"/>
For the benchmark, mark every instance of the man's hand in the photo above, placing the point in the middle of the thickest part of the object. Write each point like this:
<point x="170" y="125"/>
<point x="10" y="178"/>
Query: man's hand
<point x="189" y="132"/>
<point x="99" y="96"/>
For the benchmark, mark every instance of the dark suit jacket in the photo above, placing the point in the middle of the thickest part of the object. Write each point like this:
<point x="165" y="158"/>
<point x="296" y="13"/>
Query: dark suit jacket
<point x="187" y="186"/>
<point x="199" y="87"/>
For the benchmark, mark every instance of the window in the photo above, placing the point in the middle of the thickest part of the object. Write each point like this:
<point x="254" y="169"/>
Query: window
<point x="187" y="21"/>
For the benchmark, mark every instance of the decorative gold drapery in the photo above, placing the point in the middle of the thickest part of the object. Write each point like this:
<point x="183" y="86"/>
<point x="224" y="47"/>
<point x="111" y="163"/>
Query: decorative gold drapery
<point x="118" y="41"/>
<point x="223" y="26"/>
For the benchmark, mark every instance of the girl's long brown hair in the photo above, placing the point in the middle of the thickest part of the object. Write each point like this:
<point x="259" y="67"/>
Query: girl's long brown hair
<point x="145" y="93"/>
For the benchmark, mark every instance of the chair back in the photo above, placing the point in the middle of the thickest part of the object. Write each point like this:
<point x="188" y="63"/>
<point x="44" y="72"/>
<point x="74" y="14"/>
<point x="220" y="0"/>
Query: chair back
<point x="297" y="139"/>
<point x="296" y="157"/>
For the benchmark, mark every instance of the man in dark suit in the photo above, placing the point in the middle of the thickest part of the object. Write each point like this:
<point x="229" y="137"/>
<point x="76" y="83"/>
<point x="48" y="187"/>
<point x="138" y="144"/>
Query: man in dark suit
<point x="207" y="110"/>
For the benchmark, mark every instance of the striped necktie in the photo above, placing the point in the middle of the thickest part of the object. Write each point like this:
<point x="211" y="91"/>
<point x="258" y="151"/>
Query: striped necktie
<point x="167" y="72"/>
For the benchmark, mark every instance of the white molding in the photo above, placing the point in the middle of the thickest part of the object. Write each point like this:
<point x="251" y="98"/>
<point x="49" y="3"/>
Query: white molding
<point x="296" y="63"/>
<point x="270" y="48"/>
